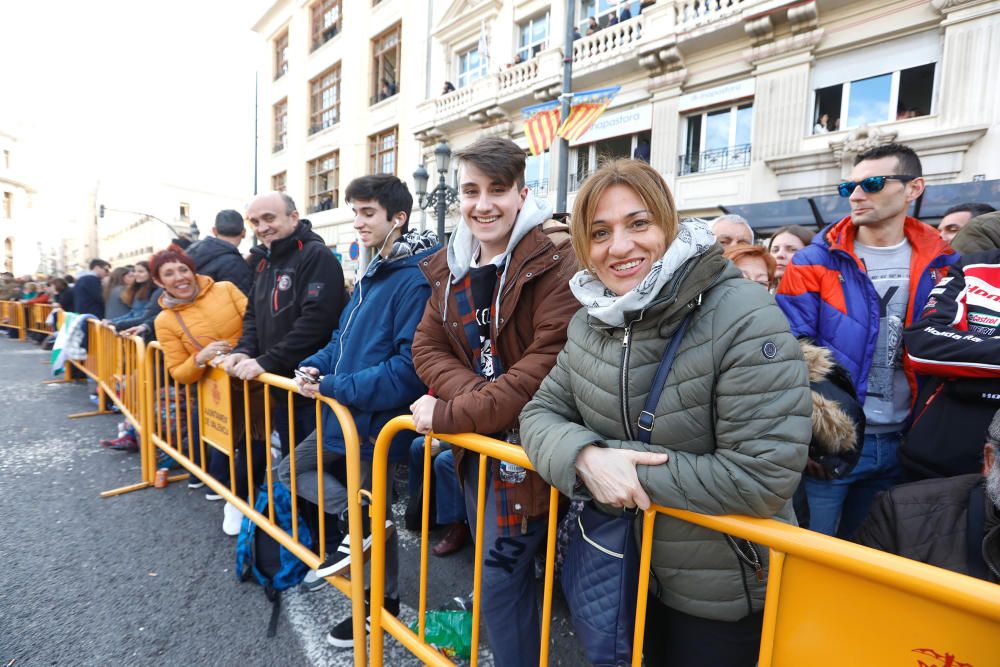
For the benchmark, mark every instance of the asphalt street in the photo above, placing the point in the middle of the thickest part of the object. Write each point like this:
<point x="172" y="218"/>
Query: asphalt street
<point x="148" y="577"/>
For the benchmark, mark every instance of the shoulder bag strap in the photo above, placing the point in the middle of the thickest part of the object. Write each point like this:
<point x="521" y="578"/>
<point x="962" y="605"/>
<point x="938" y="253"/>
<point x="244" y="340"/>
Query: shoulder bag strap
<point x="974" y="526"/>
<point x="659" y="380"/>
<point x="180" y="320"/>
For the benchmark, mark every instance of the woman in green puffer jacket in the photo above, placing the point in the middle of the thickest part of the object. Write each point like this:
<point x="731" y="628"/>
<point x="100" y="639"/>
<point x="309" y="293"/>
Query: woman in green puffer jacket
<point x="731" y="428"/>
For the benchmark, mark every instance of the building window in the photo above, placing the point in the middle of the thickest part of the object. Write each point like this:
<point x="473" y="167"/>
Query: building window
<point x="185" y="211"/>
<point x="8" y="204"/>
<point x="386" y="53"/>
<point x="717" y="140"/>
<point x="536" y="173"/>
<point x="382" y="152"/>
<point x="325" y="96"/>
<point x="324" y="175"/>
<point x="326" y="22"/>
<point x="606" y="12"/>
<point x="280" y="124"/>
<point x="279" y="181"/>
<point x="281" y="55"/>
<point x="896" y="95"/>
<point x="6" y="159"/>
<point x="586" y="158"/>
<point x="532" y="37"/>
<point x="470" y="67"/>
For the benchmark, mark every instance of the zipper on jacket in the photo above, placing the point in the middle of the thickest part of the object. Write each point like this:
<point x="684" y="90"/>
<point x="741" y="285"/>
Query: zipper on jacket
<point x="752" y="559"/>
<point x="624" y="383"/>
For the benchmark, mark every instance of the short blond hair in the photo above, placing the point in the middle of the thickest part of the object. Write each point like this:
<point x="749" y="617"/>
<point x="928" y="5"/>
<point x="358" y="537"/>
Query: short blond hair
<point x="645" y="181"/>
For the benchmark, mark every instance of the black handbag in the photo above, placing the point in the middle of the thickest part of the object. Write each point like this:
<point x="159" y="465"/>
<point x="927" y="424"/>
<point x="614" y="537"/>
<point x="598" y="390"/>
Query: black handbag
<point x="600" y="570"/>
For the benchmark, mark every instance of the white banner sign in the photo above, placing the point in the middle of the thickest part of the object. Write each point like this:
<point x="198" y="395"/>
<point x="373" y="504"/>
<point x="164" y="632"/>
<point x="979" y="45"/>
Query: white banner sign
<point x="711" y="96"/>
<point x="617" y="123"/>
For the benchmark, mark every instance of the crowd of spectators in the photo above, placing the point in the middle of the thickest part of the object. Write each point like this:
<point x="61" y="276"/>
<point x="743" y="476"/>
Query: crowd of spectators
<point x="856" y="394"/>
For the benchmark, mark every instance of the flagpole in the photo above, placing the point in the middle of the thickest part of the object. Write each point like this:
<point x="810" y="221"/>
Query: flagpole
<point x="567" y="85"/>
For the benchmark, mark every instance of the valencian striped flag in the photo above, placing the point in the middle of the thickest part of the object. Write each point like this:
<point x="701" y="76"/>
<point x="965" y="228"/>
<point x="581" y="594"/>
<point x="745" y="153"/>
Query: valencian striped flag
<point x="586" y="108"/>
<point x="541" y="125"/>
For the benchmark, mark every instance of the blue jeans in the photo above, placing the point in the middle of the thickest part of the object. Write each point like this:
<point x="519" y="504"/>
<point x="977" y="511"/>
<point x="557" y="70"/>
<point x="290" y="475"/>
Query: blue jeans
<point x="839" y="506"/>
<point x="509" y="598"/>
<point x="449" y="502"/>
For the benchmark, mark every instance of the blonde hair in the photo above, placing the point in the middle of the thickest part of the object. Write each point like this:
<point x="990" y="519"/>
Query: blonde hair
<point x="645" y="181"/>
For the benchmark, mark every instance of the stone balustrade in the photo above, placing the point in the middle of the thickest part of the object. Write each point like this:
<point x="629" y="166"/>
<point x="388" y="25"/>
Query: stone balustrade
<point x="612" y="41"/>
<point x="517" y="77"/>
<point x="692" y="13"/>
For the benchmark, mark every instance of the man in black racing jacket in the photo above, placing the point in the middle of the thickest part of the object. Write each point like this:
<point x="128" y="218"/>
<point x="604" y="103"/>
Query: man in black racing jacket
<point x="293" y="306"/>
<point x="956" y="346"/>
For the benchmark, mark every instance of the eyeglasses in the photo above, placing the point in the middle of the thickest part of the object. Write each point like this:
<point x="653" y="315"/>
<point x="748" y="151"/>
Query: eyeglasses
<point x="870" y="184"/>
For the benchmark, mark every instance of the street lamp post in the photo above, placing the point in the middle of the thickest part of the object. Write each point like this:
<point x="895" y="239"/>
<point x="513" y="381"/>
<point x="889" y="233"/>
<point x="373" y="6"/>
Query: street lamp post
<point x="442" y="197"/>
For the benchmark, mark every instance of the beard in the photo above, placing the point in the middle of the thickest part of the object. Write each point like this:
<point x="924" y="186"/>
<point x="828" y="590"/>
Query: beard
<point x="993" y="482"/>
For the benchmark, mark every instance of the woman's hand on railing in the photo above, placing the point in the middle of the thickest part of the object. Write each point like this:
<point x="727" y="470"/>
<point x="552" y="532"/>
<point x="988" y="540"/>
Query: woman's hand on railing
<point x="212" y="351"/>
<point x="610" y="474"/>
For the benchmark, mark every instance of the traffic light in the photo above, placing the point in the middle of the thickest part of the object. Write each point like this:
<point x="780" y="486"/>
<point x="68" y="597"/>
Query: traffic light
<point x="100" y="213"/>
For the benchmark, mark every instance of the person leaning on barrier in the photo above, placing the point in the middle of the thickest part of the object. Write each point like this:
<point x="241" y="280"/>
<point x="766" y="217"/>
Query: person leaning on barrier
<point x="952" y="522"/>
<point x="367" y="367"/>
<point x="294" y="304"/>
<point x="491" y="331"/>
<point x="955" y="346"/>
<point x="200" y="322"/>
<point x="731" y="428"/>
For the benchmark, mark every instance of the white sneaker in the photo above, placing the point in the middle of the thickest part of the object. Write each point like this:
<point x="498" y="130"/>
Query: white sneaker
<point x="232" y="520"/>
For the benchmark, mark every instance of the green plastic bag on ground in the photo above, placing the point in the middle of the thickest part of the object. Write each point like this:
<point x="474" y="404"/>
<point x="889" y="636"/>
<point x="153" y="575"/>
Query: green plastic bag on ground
<point x="449" y="632"/>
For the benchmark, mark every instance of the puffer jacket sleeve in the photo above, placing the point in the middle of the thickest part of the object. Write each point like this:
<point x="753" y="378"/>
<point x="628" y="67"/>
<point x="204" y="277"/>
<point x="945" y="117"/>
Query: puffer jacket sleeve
<point x="551" y="429"/>
<point x="392" y="381"/>
<point x="494" y="406"/>
<point x="177" y="358"/>
<point x="762" y="408"/>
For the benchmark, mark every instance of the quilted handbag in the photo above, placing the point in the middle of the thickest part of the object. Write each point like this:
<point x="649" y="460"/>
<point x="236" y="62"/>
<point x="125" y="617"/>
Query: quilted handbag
<point x="600" y="571"/>
<point x="600" y="578"/>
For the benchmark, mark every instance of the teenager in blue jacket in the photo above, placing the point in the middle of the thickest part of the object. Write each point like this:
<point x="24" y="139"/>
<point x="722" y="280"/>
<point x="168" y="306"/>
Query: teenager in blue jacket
<point x="367" y="366"/>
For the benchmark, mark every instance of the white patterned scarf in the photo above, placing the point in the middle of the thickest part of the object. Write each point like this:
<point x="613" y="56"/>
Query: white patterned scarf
<point x="693" y="238"/>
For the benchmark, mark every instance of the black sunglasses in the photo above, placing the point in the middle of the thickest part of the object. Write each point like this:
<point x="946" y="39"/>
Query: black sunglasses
<point x="870" y="184"/>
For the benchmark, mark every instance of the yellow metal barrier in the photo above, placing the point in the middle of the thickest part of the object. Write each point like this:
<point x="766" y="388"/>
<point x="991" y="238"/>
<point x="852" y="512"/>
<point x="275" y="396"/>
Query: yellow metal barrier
<point x="381" y="620"/>
<point x="98" y="364"/>
<point x="883" y="609"/>
<point x="167" y="432"/>
<point x="12" y="316"/>
<point x="877" y="608"/>
<point x="38" y="315"/>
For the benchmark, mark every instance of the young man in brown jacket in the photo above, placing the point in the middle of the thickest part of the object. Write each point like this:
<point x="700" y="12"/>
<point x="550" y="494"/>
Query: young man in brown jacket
<point x="496" y="319"/>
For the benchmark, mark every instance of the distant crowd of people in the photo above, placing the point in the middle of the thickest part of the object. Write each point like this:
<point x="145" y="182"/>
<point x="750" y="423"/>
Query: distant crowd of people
<point x="845" y="380"/>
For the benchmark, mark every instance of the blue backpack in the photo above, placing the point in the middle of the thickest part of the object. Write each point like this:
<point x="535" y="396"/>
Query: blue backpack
<point x="272" y="565"/>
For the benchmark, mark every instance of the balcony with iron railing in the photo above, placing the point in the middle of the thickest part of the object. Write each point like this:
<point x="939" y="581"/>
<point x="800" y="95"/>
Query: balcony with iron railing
<point x="717" y="159"/>
<point x="516" y="86"/>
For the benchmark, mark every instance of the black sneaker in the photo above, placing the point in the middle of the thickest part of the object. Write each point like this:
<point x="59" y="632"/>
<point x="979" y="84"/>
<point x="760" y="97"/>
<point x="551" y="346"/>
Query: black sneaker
<point x="342" y="634"/>
<point x="195" y="483"/>
<point x="340" y="561"/>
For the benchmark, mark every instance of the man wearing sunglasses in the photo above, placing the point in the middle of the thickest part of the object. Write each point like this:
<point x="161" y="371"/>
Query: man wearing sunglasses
<point x="853" y="290"/>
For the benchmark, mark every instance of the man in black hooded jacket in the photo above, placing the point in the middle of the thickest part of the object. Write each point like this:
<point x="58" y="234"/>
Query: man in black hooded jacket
<point x="218" y="256"/>
<point x="293" y="306"/>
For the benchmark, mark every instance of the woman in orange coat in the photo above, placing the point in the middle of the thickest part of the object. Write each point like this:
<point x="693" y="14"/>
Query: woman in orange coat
<point x="201" y="320"/>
